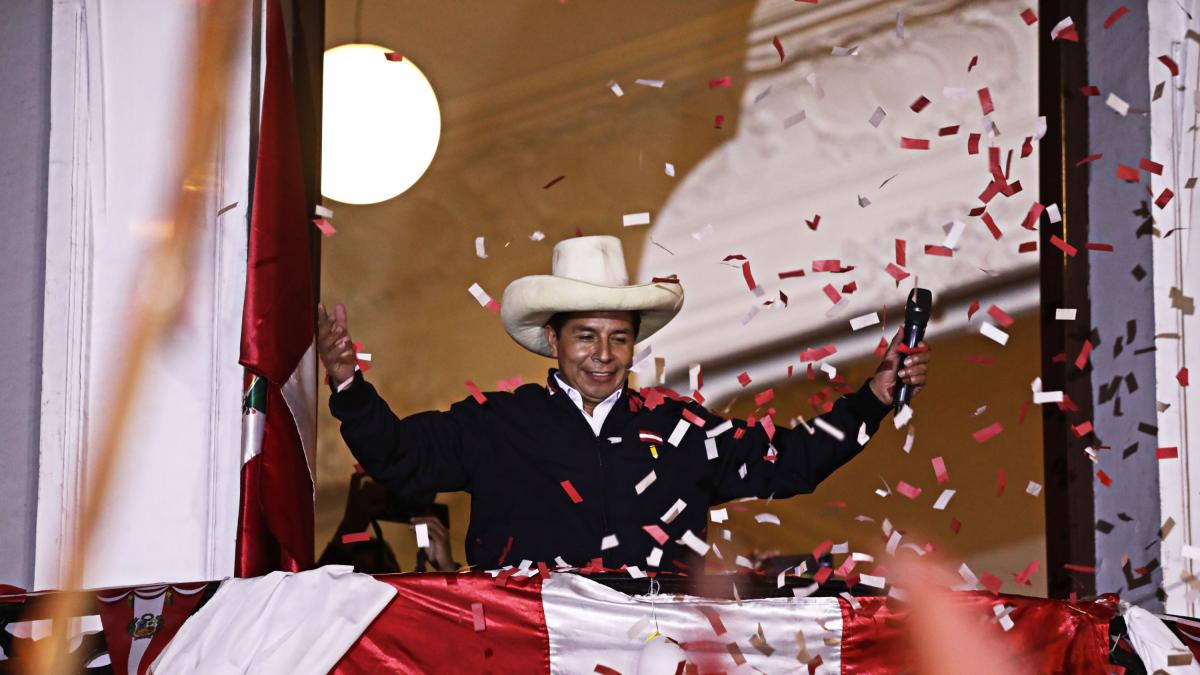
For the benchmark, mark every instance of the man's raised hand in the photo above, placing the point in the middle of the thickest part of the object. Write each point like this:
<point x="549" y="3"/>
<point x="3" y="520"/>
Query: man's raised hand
<point x="334" y="344"/>
<point x="915" y="370"/>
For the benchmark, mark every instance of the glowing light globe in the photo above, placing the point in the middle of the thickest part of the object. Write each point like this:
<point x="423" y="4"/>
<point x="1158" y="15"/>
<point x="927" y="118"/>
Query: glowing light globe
<point x="381" y="124"/>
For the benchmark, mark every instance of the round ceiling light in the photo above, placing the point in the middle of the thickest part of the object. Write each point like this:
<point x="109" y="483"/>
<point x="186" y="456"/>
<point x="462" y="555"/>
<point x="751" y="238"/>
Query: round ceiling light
<point x="380" y="124"/>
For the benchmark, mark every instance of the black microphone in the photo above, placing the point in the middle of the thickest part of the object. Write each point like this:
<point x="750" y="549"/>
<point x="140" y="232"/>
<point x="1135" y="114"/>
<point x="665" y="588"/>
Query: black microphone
<point x="916" y="317"/>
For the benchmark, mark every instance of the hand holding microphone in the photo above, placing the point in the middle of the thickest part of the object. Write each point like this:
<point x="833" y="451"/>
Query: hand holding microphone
<point x="900" y="376"/>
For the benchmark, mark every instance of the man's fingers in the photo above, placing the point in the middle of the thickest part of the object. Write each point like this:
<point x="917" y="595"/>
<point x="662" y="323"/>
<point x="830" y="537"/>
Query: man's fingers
<point x="339" y="314"/>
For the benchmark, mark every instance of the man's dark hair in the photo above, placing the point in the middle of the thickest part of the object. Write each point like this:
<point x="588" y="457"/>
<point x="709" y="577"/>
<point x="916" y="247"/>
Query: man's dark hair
<point x="559" y="319"/>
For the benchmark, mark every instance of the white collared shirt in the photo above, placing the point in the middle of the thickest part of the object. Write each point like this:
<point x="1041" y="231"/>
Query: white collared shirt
<point x="599" y="413"/>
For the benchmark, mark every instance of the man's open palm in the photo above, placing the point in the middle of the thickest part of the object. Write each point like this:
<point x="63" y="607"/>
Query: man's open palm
<point x="334" y="344"/>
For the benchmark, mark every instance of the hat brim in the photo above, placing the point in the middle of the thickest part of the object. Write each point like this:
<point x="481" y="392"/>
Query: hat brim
<point x="529" y="302"/>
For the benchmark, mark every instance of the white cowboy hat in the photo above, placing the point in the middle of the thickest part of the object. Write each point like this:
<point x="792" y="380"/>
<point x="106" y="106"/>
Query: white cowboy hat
<point x="587" y="274"/>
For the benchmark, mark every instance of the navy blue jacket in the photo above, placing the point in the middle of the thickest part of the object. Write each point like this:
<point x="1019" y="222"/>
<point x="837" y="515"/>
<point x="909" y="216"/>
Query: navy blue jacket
<point x="513" y="452"/>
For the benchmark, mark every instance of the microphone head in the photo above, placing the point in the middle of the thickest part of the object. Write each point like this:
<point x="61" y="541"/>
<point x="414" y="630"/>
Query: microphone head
<point x="920" y="303"/>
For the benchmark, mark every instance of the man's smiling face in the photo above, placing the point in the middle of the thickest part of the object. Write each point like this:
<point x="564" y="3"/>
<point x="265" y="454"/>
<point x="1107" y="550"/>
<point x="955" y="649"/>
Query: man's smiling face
<point x="594" y="352"/>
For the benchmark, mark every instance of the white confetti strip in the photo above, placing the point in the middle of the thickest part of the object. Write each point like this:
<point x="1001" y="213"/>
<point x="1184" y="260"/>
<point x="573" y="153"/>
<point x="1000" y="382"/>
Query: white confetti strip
<point x="654" y="558"/>
<point x="719" y="429"/>
<point x="762" y="94"/>
<point x="806" y="591"/>
<point x="1117" y="103"/>
<point x="616" y="88"/>
<point x="743" y="561"/>
<point x="829" y="429"/>
<point x="839" y="549"/>
<point x="560" y="562"/>
<point x="767" y="518"/>
<point x="943" y="499"/>
<point x="673" y="512"/>
<point x="695" y="543"/>
<point x="323" y="212"/>
<point x="901" y="418"/>
<point x="719" y="515"/>
<point x="608" y="542"/>
<point x="845" y="51"/>
<point x="955" y="92"/>
<point x="479" y="248"/>
<point x="872" y="581"/>
<point x="645" y="482"/>
<point x="1040" y="397"/>
<point x="863" y="436"/>
<point x="829" y="369"/>
<point x="993" y="333"/>
<point x="779" y="578"/>
<point x="862" y="557"/>
<point x="632" y="219"/>
<point x="816" y="85"/>
<point x="861" y="322"/>
<point x="1053" y="213"/>
<point x="680" y="429"/>
<point x="669" y="169"/>
<point x="1033" y="489"/>
<point x="742" y="471"/>
<point x="710" y="448"/>
<point x="957" y="227"/>
<point x="877" y="117"/>
<point x="893" y="543"/>
<point x="1064" y="314"/>
<point x="702" y="232"/>
<point x="635" y="572"/>
<point x="422" y="530"/>
<point x="694" y="377"/>
<point x="908" y="441"/>
<point x="657" y="84"/>
<point x="480" y="295"/>
<point x="794" y="119"/>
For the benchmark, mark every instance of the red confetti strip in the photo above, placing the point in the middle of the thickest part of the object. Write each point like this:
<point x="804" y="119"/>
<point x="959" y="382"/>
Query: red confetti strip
<point x="1104" y="478"/>
<point x="477" y="617"/>
<point x="1068" y="33"/>
<point x="910" y="491"/>
<point x="1089" y="159"/>
<point x="552" y="183"/>
<point x="942" y="251"/>
<point x="1082" y="359"/>
<point x="714" y="619"/>
<point x="939" y="470"/>
<point x="1089" y="90"/>
<point x="991" y="225"/>
<point x="985" y="101"/>
<point x="1063" y="246"/>
<point x="980" y="360"/>
<point x="744" y="379"/>
<point x="748" y="275"/>
<point x="358" y="469"/>
<point x="605" y="670"/>
<point x="393" y="56"/>
<point x="822" y="548"/>
<point x="901" y="252"/>
<point x="1164" y="198"/>
<point x="987" y="432"/>
<point x="356" y="537"/>
<point x="1150" y="166"/>
<point x="475" y="393"/>
<point x="763" y="397"/>
<point x="1170" y="64"/>
<point x="1079" y="568"/>
<point x="791" y="274"/>
<point x="1166" y="453"/>
<point x="693" y="418"/>
<point x="991" y="582"/>
<point x="325" y="226"/>
<point x="1082" y="429"/>
<point x="832" y="293"/>
<point x="778" y="47"/>
<point x="1128" y="173"/>
<point x="718" y="121"/>
<point x="1027" y="147"/>
<point x="1096" y="246"/>
<point x="1000" y="316"/>
<point x="1182" y="376"/>
<point x="721" y="82"/>
<point x="571" y="492"/>
<point x="895" y="272"/>
<point x="974" y="62"/>
<point x="920" y="104"/>
<point x="657" y="533"/>
<point x="1023" y="576"/>
<point x="1031" y="218"/>
<point x="1029" y="17"/>
<point x="1117" y="14"/>
<point x="973" y="144"/>
<point x="1027" y="247"/>
<point x="829" y="266"/>
<point x="972" y="309"/>
<point x="948" y="131"/>
<point x="955" y="525"/>
<point x="914" y="143"/>
<point x="881" y="348"/>
<point x="673" y="279"/>
<point x="812" y="224"/>
<point x="1000" y="483"/>
<point x="849" y="288"/>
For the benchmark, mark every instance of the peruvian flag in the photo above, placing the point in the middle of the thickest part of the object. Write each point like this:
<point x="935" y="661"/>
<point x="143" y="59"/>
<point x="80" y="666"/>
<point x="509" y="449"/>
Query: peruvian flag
<point x="275" y="518"/>
<point x="140" y="622"/>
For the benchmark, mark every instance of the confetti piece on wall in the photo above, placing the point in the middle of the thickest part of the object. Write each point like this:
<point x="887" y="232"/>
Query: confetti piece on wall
<point x="1033" y="489"/>
<point x="918" y="105"/>
<point x="1118" y="104"/>
<point x="669" y="169"/>
<point x="655" y="84"/>
<point x="633" y="219"/>
<point x="1182" y="377"/>
<point x="767" y="518"/>
<point x="480" y="250"/>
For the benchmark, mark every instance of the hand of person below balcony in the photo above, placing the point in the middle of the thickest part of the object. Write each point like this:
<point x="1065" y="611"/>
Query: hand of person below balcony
<point x="439" y="543"/>
<point x="915" y="371"/>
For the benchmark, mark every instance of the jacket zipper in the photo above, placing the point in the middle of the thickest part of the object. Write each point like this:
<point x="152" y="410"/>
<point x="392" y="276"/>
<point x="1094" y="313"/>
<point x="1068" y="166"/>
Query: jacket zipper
<point x="603" y="490"/>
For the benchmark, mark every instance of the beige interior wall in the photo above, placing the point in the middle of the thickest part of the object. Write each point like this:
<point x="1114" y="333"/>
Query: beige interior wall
<point x="525" y="99"/>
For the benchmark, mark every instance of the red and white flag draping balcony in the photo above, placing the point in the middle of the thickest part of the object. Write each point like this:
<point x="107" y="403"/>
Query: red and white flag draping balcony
<point x="566" y="623"/>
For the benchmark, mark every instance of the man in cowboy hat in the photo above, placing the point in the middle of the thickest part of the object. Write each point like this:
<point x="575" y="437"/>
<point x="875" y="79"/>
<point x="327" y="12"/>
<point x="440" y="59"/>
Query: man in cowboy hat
<point x="585" y="468"/>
